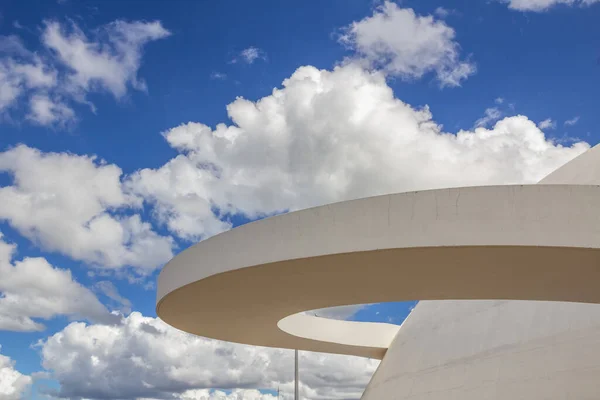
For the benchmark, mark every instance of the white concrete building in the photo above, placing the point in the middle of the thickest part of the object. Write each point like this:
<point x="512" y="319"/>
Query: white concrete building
<point x="539" y="244"/>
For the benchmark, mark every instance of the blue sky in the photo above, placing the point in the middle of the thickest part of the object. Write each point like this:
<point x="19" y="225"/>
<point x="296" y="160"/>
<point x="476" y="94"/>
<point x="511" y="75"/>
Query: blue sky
<point x="522" y="101"/>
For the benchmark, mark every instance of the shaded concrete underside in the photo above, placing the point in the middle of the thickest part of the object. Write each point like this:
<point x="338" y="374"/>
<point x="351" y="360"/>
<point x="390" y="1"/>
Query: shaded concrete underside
<point x="517" y="242"/>
<point x="241" y="305"/>
<point x="514" y="242"/>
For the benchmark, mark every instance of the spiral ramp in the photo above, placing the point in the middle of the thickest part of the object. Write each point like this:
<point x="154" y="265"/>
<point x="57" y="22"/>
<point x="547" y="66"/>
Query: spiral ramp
<point x="514" y="266"/>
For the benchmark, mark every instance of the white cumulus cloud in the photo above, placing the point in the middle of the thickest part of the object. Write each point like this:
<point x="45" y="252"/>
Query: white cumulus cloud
<point x="63" y="202"/>
<point x="545" y="5"/>
<point x="328" y="136"/>
<point x="70" y="66"/>
<point x="547" y="124"/>
<point x="32" y="289"/>
<point x="490" y="116"/>
<point x="251" y="54"/>
<point x="408" y="45"/>
<point x="236" y="394"/>
<point x="50" y="112"/>
<point x="145" y="358"/>
<point x="109" y="64"/>
<point x="13" y="384"/>
<point x="20" y="71"/>
<point x="442" y="12"/>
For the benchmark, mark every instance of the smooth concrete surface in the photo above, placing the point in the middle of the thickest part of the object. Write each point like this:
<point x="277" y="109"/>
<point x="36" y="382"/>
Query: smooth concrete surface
<point x="249" y="285"/>
<point x="498" y="349"/>
<point x="362" y="334"/>
<point x="536" y="242"/>
<point x="493" y="350"/>
<point x="583" y="170"/>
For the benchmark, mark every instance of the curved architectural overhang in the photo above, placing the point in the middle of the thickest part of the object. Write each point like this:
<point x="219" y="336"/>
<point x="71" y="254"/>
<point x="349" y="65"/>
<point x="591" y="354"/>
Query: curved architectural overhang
<point x="525" y="242"/>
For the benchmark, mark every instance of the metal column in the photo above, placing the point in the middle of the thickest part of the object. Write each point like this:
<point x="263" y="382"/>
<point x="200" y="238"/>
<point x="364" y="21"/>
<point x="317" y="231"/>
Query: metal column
<point x="296" y="397"/>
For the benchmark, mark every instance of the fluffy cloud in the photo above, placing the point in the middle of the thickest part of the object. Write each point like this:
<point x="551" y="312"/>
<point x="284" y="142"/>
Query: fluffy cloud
<point x="442" y="12"/>
<point x="13" y="384"/>
<point x="544" y="5"/>
<point x="236" y="394"/>
<point x="63" y="202"/>
<point x="110" y="64"/>
<point x="145" y="358"/>
<point x="572" y="121"/>
<point x="408" y="45"/>
<point x="181" y="193"/>
<point x="110" y="290"/>
<point x="547" y="124"/>
<point x="21" y="70"/>
<point x="32" y="288"/>
<point x="71" y="65"/>
<point x="49" y="112"/>
<point x="252" y="54"/>
<point x="327" y="136"/>
<point x="491" y="115"/>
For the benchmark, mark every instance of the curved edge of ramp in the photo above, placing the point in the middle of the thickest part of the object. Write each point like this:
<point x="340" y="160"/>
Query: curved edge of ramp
<point x="497" y="242"/>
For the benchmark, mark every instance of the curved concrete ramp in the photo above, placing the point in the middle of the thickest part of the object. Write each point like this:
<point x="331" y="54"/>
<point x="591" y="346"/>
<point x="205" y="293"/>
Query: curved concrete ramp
<point x="536" y="242"/>
<point x="498" y="349"/>
<point x="498" y="242"/>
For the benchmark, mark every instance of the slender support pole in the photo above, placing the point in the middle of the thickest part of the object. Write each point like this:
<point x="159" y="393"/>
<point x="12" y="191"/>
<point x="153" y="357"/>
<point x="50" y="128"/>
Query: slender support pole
<point x="296" y="397"/>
